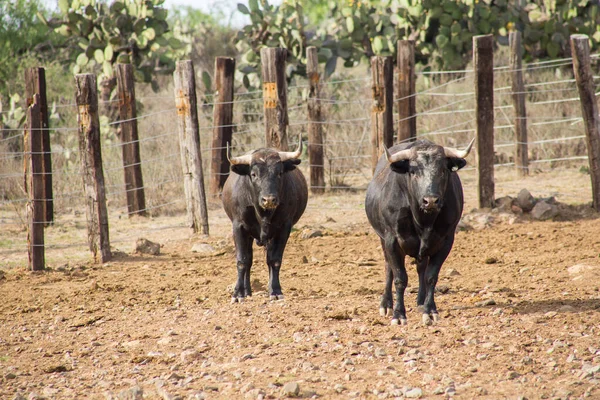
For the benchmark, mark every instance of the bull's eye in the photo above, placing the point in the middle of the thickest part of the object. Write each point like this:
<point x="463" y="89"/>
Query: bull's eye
<point x="253" y="175"/>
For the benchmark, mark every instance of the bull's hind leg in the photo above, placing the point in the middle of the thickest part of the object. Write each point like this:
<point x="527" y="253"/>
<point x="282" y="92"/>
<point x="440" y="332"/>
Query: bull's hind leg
<point x="387" y="303"/>
<point x="432" y="272"/>
<point x="275" y="248"/>
<point x="395" y="258"/>
<point x="243" y="250"/>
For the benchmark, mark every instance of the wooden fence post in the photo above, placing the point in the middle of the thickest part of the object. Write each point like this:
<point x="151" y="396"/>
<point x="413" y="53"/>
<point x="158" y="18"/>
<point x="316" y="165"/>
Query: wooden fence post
<point x="35" y="82"/>
<point x="132" y="164"/>
<point x="483" y="62"/>
<point x="275" y="97"/>
<point x="189" y="145"/>
<point x="315" y="126"/>
<point x="222" y="121"/>
<point x="518" y="89"/>
<point x="92" y="172"/>
<point x="35" y="186"/>
<point x="382" y="118"/>
<point x="407" y="109"/>
<point x="580" y="49"/>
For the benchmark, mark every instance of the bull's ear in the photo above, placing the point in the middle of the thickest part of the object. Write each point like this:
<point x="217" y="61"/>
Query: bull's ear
<point x="241" y="169"/>
<point x="290" y="165"/>
<point x="454" y="164"/>
<point x="400" y="167"/>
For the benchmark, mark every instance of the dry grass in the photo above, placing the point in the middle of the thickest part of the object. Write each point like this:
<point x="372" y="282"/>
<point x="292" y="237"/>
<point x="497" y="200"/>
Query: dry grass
<point x="346" y="133"/>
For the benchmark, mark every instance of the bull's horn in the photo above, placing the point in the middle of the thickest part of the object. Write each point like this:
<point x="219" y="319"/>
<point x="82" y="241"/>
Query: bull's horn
<point x="245" y="159"/>
<point x="289" y="155"/>
<point x="405" y="154"/>
<point x="452" y="152"/>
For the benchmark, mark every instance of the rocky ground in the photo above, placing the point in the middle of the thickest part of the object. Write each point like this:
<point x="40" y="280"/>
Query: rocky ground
<point x="519" y="300"/>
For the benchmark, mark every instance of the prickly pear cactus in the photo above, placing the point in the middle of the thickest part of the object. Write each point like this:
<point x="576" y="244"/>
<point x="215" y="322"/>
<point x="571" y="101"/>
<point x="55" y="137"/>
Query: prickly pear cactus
<point x="123" y="31"/>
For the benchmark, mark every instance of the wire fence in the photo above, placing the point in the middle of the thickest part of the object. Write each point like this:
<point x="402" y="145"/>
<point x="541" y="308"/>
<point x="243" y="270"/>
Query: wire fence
<point x="445" y="114"/>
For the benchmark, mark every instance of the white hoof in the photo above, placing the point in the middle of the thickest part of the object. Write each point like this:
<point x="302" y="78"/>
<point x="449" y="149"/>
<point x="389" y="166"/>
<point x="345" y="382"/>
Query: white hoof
<point x="382" y="311"/>
<point x="427" y="319"/>
<point x="403" y="321"/>
<point x="435" y="316"/>
<point x="394" y="321"/>
<point x="274" y="297"/>
<point x="237" y="300"/>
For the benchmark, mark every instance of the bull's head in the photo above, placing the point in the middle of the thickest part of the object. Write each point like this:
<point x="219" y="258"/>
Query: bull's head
<point x="428" y="168"/>
<point x="265" y="168"/>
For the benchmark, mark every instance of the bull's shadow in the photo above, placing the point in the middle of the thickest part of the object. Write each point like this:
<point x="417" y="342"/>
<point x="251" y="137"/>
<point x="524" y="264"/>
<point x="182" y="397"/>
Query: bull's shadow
<point x="557" y="305"/>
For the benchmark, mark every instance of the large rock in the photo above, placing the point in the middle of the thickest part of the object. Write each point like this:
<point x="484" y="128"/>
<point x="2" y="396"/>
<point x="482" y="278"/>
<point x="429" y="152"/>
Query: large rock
<point x="525" y="200"/>
<point x="144" y="246"/>
<point x="203" y="249"/>
<point x="543" y="210"/>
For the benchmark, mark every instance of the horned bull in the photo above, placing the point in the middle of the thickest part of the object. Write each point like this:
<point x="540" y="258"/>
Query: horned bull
<point x="264" y="196"/>
<point x="414" y="202"/>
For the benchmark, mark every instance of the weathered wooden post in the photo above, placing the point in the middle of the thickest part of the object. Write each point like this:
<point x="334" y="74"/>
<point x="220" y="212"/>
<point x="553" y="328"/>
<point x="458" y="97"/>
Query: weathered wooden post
<point x="518" y="89"/>
<point x="580" y="49"/>
<point x="35" y="83"/>
<point x="483" y="62"/>
<point x="382" y="119"/>
<point x="132" y="164"/>
<point x="35" y="186"/>
<point x="92" y="173"/>
<point x="189" y="145"/>
<point x="407" y="120"/>
<point x="222" y="121"/>
<point x="315" y="126"/>
<point x="275" y="97"/>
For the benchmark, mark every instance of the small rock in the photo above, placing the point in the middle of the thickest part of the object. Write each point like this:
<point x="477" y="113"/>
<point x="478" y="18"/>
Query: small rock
<point x="131" y="344"/>
<point x="304" y="260"/>
<point x="203" y="248"/>
<point x="310" y="233"/>
<point x="413" y="393"/>
<point x="516" y="209"/>
<point x="93" y="285"/>
<point x="485" y="303"/>
<point x="144" y="246"/>
<point x="543" y="211"/>
<point x="438" y="390"/>
<point x="339" y="388"/>
<point x="134" y="393"/>
<point x="189" y="355"/>
<point x="580" y="268"/>
<point x="452" y="272"/>
<point x="379" y="352"/>
<point x="512" y="375"/>
<point x="443" y="289"/>
<point x="165" y="340"/>
<point x="525" y="200"/>
<point x="567" y="308"/>
<point x="10" y="375"/>
<point x="247" y="357"/>
<point x="503" y="203"/>
<point x="491" y="260"/>
<point x="291" y="389"/>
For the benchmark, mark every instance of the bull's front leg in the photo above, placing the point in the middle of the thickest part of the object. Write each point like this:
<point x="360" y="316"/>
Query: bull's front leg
<point x="387" y="302"/>
<point x="432" y="272"/>
<point x="421" y="268"/>
<point x="243" y="251"/>
<point x="395" y="258"/>
<point x="275" y="249"/>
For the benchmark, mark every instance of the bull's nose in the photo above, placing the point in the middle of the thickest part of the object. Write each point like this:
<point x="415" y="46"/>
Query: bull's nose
<point x="431" y="202"/>
<point x="268" y="202"/>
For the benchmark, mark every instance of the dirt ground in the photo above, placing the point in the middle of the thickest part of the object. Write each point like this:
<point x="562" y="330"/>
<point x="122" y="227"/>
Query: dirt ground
<point x="520" y="308"/>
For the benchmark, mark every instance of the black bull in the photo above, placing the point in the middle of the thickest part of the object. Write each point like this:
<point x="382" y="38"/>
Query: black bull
<point x="264" y="197"/>
<point x="414" y="203"/>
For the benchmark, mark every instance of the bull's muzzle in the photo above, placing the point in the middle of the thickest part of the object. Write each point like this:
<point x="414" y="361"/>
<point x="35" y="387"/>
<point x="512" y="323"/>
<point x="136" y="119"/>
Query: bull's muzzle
<point x="430" y="204"/>
<point x="269" y="202"/>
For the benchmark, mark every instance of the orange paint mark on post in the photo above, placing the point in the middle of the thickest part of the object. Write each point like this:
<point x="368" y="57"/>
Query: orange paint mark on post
<point x="270" y="94"/>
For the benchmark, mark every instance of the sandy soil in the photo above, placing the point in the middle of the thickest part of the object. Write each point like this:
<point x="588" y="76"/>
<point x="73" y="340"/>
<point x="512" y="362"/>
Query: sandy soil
<point x="520" y="307"/>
